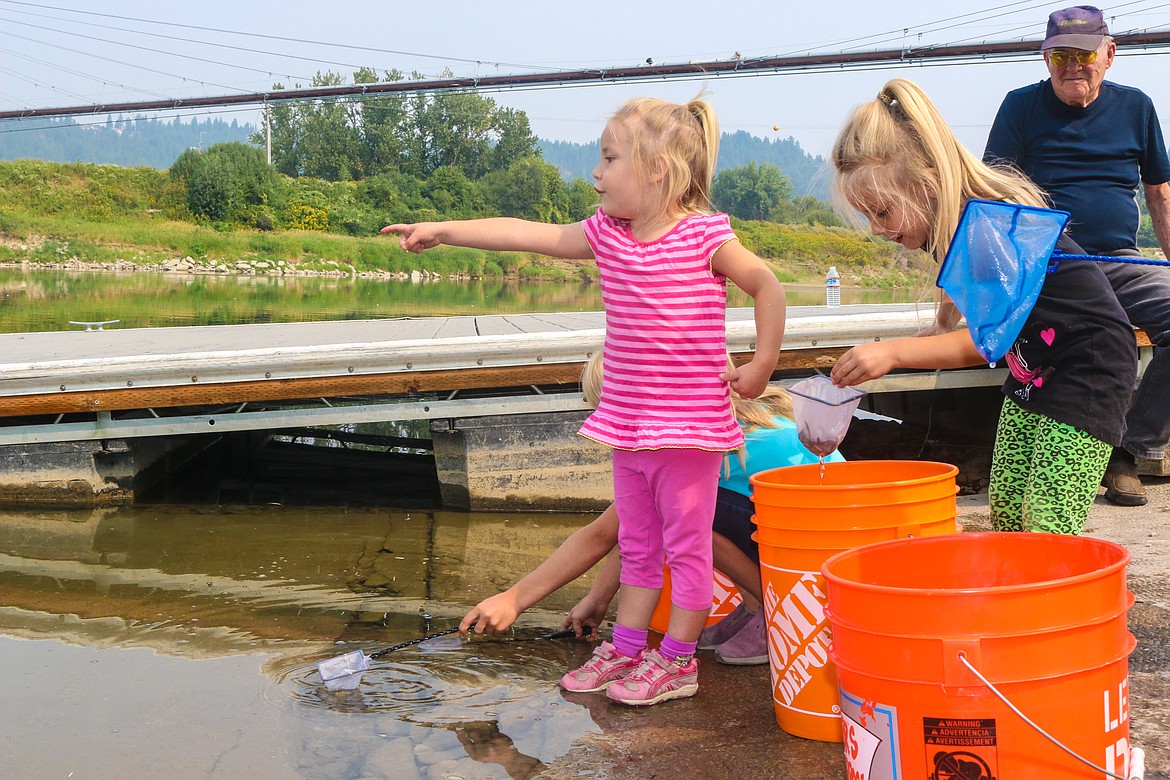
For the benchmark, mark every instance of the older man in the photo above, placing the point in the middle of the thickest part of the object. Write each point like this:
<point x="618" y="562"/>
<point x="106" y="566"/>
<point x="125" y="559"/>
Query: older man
<point x="1090" y="143"/>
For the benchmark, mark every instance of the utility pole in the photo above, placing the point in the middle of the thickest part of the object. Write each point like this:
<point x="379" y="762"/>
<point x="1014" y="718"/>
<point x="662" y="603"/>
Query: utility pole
<point x="268" y="131"/>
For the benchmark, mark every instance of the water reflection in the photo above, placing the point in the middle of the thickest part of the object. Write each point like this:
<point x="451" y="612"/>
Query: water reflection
<point x="126" y="629"/>
<point x="48" y="300"/>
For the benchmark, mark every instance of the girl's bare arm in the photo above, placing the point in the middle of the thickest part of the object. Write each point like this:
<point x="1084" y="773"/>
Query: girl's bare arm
<point x="874" y="360"/>
<point x="504" y="234"/>
<point x="574" y="557"/>
<point x="752" y="275"/>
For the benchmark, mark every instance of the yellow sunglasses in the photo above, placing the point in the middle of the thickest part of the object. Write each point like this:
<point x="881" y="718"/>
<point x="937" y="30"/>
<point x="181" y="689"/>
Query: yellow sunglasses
<point x="1060" y="57"/>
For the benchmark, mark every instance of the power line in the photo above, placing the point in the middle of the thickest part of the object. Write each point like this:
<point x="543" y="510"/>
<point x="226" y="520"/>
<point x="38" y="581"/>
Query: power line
<point x="380" y="50"/>
<point x="248" y="49"/>
<point x="110" y="59"/>
<point x="79" y="74"/>
<point x="936" y="55"/>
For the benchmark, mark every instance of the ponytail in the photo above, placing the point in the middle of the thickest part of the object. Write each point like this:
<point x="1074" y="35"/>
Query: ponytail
<point x="697" y="198"/>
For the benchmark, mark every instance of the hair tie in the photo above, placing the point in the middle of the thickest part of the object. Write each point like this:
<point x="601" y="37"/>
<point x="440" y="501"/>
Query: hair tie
<point x="887" y="98"/>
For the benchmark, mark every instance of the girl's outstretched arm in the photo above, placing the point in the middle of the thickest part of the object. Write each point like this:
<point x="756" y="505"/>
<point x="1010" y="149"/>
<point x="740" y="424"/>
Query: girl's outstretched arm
<point x="576" y="555"/>
<point x="752" y="275"/>
<point x="503" y="234"/>
<point x="876" y="359"/>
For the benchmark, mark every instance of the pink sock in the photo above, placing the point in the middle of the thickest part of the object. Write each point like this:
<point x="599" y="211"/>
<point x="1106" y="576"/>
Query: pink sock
<point x="628" y="641"/>
<point x="671" y="648"/>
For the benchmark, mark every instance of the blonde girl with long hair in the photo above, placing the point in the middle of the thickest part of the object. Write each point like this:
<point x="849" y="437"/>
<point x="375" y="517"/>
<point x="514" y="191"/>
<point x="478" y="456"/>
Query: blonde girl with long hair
<point x="665" y="409"/>
<point x="1072" y="367"/>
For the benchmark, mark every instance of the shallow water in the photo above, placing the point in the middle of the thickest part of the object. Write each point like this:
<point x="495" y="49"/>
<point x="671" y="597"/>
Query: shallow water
<point x="42" y="300"/>
<point x="183" y="642"/>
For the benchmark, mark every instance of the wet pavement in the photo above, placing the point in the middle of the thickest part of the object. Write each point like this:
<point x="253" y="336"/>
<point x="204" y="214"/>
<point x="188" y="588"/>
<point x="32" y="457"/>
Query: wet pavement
<point x="728" y="730"/>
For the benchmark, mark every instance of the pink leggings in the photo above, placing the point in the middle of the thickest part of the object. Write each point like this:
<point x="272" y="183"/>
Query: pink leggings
<point x="665" y="500"/>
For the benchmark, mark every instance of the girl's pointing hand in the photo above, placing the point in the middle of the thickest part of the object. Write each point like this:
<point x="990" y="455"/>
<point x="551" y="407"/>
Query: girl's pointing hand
<point x="417" y="237"/>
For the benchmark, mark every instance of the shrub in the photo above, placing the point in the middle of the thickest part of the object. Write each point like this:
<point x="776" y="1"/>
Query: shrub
<point x="300" y="216"/>
<point x="225" y="181"/>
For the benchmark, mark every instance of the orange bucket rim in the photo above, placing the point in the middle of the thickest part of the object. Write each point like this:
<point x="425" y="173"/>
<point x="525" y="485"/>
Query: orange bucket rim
<point x="946" y="470"/>
<point x="972" y="538"/>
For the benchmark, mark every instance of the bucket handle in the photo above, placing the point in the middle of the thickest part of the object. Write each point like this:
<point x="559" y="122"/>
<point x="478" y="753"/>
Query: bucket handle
<point x="1135" y="753"/>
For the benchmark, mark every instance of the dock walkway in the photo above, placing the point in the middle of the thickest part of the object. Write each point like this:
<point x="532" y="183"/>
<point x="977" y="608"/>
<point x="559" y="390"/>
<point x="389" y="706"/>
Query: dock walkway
<point x="118" y="374"/>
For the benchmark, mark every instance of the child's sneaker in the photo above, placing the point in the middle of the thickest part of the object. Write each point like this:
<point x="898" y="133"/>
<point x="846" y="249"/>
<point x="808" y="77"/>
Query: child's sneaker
<point x="718" y="633"/>
<point x="657" y="679"/>
<point x="606" y="667"/>
<point x="749" y="646"/>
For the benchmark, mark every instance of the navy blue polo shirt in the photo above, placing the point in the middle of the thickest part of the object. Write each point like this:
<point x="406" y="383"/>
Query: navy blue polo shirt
<point x="1089" y="160"/>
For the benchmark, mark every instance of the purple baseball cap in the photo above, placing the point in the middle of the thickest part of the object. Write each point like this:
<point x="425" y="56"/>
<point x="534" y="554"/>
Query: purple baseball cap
<point x="1079" y="27"/>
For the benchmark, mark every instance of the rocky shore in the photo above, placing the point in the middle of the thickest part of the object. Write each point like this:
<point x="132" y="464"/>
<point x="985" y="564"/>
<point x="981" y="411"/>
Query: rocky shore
<point x="192" y="265"/>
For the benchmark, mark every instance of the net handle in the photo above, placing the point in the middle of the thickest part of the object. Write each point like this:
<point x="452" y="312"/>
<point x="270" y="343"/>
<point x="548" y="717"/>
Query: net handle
<point x="1058" y="256"/>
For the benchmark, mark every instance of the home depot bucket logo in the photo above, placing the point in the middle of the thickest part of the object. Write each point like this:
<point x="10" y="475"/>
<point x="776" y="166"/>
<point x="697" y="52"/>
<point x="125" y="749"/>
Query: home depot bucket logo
<point x="724" y="596"/>
<point x="799" y="636"/>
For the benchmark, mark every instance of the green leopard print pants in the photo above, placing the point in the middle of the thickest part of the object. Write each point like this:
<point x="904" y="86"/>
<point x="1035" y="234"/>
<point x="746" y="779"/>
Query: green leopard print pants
<point x="1044" y="474"/>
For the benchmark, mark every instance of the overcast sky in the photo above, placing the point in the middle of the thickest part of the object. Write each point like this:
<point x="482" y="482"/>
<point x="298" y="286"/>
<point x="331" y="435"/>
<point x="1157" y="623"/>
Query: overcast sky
<point x="76" y="52"/>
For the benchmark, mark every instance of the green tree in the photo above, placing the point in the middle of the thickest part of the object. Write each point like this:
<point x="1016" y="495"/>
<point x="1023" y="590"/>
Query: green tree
<point x="317" y="138"/>
<point x="452" y="194"/>
<point x="382" y="125"/>
<point x="224" y="182"/>
<point x="285" y="130"/>
<point x="349" y="138"/>
<point x="751" y="191"/>
<point x="529" y="189"/>
<point x="581" y="199"/>
<point x="514" y="139"/>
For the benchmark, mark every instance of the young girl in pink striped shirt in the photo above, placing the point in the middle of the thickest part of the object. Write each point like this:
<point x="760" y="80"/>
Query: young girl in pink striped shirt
<point x="665" y="408"/>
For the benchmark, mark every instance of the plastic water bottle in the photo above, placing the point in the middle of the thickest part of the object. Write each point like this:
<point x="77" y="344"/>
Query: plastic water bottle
<point x="833" y="287"/>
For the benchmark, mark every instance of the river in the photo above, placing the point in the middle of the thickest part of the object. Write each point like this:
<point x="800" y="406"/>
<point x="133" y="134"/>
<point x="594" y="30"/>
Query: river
<point x="48" y="300"/>
<point x="171" y="641"/>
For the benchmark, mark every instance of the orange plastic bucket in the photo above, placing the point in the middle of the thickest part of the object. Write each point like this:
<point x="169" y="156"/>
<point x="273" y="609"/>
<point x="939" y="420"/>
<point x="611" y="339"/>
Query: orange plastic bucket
<point x="724" y="598"/>
<point x="1040" y="617"/>
<point x="801" y="520"/>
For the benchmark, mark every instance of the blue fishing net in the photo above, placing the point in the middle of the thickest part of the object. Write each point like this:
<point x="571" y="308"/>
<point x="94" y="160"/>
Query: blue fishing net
<point x="995" y="267"/>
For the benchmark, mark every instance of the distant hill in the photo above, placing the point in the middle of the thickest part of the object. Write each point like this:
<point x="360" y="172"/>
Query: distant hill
<point x="809" y="174"/>
<point x="153" y="143"/>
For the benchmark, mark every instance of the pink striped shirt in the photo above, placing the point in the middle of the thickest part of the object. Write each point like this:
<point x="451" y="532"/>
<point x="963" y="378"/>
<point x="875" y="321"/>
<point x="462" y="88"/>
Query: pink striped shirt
<point x="665" y="338"/>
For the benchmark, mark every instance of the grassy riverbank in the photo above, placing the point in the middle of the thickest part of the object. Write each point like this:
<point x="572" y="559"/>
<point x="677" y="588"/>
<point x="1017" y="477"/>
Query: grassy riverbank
<point x="56" y="215"/>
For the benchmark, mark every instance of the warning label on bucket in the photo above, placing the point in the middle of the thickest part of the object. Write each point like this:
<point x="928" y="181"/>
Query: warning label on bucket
<point x="960" y="748"/>
<point x="966" y="732"/>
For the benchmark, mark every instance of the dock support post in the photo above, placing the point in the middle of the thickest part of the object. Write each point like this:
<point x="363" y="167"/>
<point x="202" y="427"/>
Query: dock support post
<point x="522" y="462"/>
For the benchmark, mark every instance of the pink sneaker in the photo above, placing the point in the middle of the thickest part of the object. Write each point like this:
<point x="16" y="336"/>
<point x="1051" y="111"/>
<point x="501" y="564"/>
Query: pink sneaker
<point x="655" y="680"/>
<point x="606" y="667"/>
